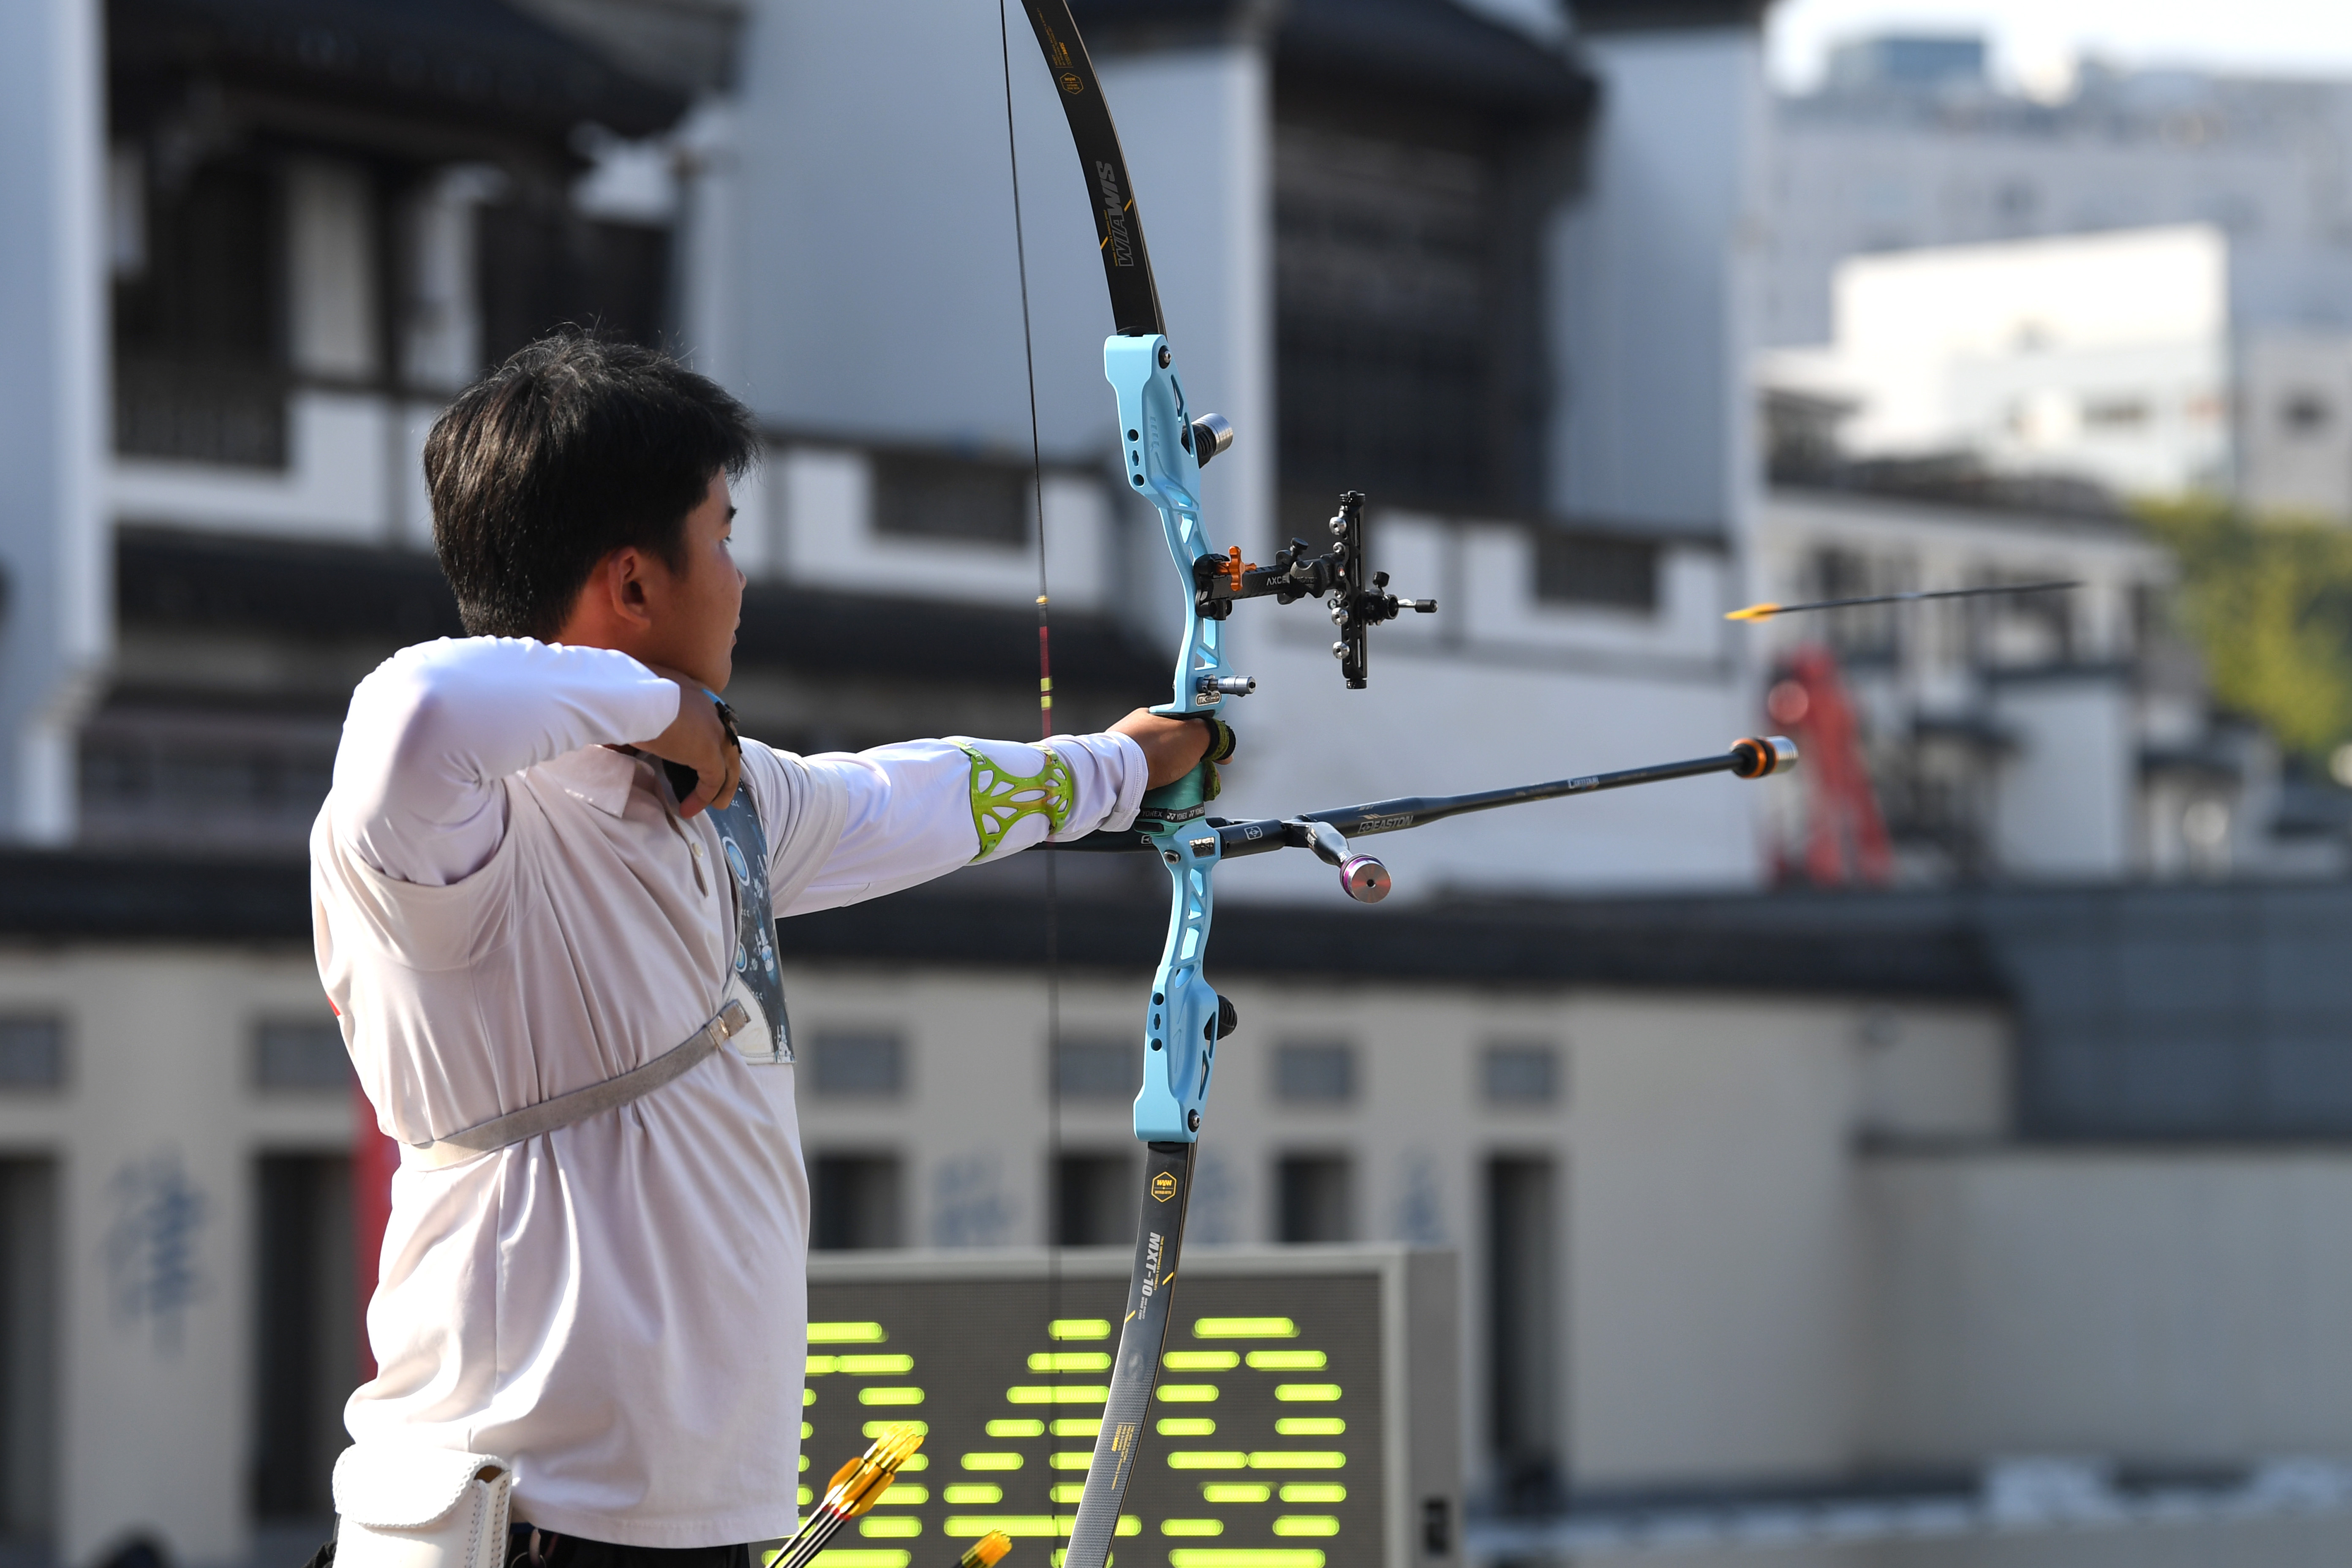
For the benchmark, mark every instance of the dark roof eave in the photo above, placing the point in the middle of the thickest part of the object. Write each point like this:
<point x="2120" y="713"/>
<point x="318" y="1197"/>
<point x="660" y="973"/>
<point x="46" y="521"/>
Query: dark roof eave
<point x="1604" y="16"/>
<point x="1432" y="50"/>
<point x="478" y="62"/>
<point x="1545" y="943"/>
<point x="176" y="580"/>
<point x="79" y="896"/>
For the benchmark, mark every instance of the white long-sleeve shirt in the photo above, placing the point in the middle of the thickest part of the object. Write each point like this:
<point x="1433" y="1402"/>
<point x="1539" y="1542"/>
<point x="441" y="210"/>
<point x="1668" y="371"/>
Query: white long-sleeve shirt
<point x="505" y="909"/>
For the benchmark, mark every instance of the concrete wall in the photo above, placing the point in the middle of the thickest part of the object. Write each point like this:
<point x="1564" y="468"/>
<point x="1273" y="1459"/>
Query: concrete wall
<point x="1715" y="1248"/>
<point x="1701" y="1150"/>
<point x="2165" y="1305"/>
<point x="156" y="1131"/>
<point x="1790" y="1244"/>
<point x="1705" y="1242"/>
<point x="2259" y="1543"/>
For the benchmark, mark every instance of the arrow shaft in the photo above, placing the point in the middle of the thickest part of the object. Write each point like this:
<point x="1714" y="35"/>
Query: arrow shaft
<point x="1923" y="594"/>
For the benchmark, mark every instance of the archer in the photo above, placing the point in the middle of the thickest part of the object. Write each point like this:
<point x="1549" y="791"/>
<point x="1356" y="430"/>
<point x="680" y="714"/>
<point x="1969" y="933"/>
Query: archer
<point x="544" y="884"/>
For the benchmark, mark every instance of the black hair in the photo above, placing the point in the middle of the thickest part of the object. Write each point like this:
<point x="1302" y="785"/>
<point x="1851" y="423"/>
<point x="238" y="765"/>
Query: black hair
<point x="573" y="449"/>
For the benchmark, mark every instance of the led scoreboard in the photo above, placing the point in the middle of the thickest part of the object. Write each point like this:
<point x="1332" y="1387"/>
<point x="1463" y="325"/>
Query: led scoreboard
<point x="1306" y="1418"/>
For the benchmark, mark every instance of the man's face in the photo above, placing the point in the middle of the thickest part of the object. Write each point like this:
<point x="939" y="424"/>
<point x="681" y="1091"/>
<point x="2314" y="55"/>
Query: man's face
<point x="695" y="611"/>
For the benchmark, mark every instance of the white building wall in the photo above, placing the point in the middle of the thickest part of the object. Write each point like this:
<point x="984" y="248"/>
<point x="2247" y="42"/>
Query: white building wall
<point x="849" y="266"/>
<point x="1715" y="1253"/>
<point x="1651" y="280"/>
<point x="2104" y="355"/>
<point x="348" y="455"/>
<point x="2295" y="423"/>
<point x="879" y="284"/>
<point x="2175" y="1305"/>
<point x="156" y="1131"/>
<point x="53" y="416"/>
<point x="2066" y="805"/>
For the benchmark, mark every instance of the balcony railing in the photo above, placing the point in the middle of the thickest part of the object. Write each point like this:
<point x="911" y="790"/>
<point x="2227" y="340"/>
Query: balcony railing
<point x="195" y="411"/>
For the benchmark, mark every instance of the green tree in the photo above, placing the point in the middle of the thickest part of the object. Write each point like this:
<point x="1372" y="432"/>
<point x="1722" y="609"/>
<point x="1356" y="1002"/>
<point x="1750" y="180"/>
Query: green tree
<point x="2269" y="603"/>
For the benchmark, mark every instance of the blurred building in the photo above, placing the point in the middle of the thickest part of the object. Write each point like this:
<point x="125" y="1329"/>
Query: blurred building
<point x="1909" y="168"/>
<point x="1753" y="1207"/>
<point x="2066" y="735"/>
<point x="310" y="226"/>
<point x="2104" y="356"/>
<point x="1908" y="145"/>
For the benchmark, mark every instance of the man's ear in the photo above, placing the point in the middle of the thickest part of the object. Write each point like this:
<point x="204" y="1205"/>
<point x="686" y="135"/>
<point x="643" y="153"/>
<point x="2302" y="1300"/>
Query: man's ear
<point x="622" y="575"/>
<point x="615" y="604"/>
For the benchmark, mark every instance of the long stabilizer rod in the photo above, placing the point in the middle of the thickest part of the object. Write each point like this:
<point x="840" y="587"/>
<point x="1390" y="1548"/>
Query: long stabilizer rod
<point x="1753" y="758"/>
<point x="1365" y="880"/>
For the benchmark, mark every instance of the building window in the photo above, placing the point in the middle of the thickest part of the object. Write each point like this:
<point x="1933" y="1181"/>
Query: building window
<point x="304" y="1055"/>
<point x="1095" y="1200"/>
<point x="198" y="328"/>
<point x="858" y="1064"/>
<point x="1315" y="1074"/>
<point x="1865" y="634"/>
<point x="202" y="780"/>
<point x="30" y="1354"/>
<point x="2013" y="631"/>
<point x="1521" y="1074"/>
<point x="854" y="1202"/>
<point x="32" y="1052"/>
<point x="921" y="496"/>
<point x="1314" y="1199"/>
<point x="2305" y="414"/>
<point x="1408" y="338"/>
<point x="541" y="266"/>
<point x="1586" y="568"/>
<point x="306" y="1331"/>
<point x="1099" y="1070"/>
<point x="2116" y="416"/>
<point x="1523" y="1331"/>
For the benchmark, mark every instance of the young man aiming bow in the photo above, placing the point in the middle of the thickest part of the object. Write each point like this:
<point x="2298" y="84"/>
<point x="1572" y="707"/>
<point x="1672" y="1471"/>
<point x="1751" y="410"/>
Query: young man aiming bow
<point x="543" y="889"/>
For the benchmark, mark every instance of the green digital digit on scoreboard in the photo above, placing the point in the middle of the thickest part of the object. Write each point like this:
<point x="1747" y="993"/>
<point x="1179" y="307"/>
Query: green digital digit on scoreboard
<point x="1305" y="1416"/>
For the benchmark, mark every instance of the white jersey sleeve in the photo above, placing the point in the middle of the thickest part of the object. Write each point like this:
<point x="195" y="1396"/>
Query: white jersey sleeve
<point x="433" y="730"/>
<point x="919" y="809"/>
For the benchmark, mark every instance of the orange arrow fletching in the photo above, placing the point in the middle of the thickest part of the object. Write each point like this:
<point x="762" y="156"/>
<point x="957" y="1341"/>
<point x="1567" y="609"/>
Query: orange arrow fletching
<point x="987" y="1552"/>
<point x="881" y="1465"/>
<point x="1753" y="612"/>
<point x="858" y="1485"/>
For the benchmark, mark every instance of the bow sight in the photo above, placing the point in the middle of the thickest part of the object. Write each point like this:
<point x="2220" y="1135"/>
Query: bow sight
<point x="1165" y="448"/>
<point x="1356" y="605"/>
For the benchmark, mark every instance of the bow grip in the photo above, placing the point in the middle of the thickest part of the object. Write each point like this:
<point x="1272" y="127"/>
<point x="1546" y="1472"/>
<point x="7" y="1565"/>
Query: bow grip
<point x="1185" y="1017"/>
<point x="1180" y="801"/>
